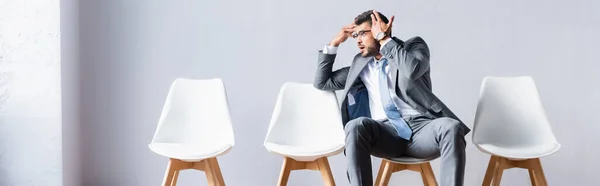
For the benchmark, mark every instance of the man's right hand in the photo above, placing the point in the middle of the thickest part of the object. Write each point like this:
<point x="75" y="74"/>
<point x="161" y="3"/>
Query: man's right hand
<point x="343" y="35"/>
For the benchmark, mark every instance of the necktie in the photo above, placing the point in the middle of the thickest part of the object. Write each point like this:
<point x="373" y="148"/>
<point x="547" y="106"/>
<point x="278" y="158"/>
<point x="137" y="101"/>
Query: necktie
<point x="391" y="111"/>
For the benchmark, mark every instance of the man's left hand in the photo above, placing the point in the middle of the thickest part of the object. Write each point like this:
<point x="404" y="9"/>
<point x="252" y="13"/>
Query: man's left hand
<point x="379" y="26"/>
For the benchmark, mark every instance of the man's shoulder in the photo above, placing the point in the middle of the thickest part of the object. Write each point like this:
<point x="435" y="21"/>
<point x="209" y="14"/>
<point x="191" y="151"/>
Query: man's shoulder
<point x="416" y="42"/>
<point x="360" y="57"/>
<point x="415" y="39"/>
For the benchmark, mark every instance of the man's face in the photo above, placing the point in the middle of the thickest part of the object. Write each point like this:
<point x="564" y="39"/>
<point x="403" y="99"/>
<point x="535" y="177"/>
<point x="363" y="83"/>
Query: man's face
<point x="364" y="39"/>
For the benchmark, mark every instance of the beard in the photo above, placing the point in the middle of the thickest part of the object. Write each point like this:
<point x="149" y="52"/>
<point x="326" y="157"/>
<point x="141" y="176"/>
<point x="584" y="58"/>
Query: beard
<point x="372" y="50"/>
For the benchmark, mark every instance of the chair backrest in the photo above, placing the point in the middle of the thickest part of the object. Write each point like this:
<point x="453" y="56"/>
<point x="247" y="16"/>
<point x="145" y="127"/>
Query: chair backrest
<point x="304" y="115"/>
<point x="196" y="111"/>
<point x="510" y="114"/>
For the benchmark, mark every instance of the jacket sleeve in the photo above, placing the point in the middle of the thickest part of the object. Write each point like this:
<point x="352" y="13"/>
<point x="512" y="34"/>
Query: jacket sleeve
<point x="326" y="78"/>
<point x="412" y="58"/>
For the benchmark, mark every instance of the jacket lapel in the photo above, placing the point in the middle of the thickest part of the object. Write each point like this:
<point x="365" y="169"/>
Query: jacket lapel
<point x="357" y="66"/>
<point x="395" y="65"/>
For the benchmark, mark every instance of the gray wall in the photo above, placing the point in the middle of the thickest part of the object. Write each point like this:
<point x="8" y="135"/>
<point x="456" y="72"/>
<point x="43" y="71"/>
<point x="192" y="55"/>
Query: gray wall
<point x="132" y="50"/>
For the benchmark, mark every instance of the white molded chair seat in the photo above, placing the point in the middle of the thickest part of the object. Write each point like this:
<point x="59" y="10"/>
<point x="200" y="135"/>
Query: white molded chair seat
<point x="511" y="125"/>
<point x="306" y="128"/>
<point x="305" y="152"/>
<point x="522" y="152"/>
<point x="410" y="160"/>
<point x="194" y="128"/>
<point x="392" y="165"/>
<point x="190" y="152"/>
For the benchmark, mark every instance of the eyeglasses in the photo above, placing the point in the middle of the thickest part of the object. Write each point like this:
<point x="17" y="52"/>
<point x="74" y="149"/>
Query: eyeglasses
<point x="360" y="33"/>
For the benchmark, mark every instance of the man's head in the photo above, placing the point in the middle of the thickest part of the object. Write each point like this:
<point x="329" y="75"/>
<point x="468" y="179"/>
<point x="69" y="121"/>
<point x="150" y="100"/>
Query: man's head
<point x="362" y="33"/>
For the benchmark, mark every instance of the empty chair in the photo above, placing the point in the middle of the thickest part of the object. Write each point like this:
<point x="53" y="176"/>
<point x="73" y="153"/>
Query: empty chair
<point x="194" y="128"/>
<point x="511" y="125"/>
<point x="392" y="165"/>
<point x="305" y="128"/>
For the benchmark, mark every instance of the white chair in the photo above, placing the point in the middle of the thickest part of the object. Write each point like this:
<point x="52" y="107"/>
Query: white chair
<point x="194" y="128"/>
<point x="306" y="128"/>
<point x="511" y="125"/>
<point x="392" y="165"/>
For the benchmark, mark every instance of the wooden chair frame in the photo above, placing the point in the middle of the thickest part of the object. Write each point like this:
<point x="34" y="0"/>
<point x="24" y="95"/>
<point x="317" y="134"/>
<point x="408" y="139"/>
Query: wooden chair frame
<point x="210" y="167"/>
<point x="388" y="167"/>
<point x="497" y="165"/>
<point x="321" y="164"/>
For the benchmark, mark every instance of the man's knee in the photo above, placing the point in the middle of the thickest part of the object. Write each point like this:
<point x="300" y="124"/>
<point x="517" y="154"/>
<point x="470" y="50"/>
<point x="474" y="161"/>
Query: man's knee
<point x="357" y="125"/>
<point x="450" y="126"/>
<point x="451" y="131"/>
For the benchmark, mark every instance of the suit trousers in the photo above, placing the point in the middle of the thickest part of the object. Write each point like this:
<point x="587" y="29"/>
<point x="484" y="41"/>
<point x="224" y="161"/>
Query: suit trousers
<point x="432" y="138"/>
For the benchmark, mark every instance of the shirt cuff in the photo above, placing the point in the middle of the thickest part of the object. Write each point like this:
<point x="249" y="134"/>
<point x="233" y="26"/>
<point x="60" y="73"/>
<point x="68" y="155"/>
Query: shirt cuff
<point x="330" y="49"/>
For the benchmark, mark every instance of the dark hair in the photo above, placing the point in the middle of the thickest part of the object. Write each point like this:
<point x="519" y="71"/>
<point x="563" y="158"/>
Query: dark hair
<point x="366" y="17"/>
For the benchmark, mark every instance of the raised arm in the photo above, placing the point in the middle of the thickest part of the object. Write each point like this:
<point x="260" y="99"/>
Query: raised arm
<point x="412" y="58"/>
<point x="326" y="78"/>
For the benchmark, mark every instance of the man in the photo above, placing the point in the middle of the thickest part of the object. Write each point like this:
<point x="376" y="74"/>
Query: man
<point x="389" y="109"/>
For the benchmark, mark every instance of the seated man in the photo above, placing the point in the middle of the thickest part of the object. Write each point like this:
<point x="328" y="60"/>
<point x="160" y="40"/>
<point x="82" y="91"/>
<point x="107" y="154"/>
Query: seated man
<point x="389" y="109"/>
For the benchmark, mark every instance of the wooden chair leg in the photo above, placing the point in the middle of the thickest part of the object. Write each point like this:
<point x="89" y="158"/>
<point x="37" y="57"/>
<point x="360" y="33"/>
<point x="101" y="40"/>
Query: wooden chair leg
<point x="539" y="173"/>
<point x="388" y="169"/>
<point x="427" y="175"/>
<point x="209" y="166"/>
<point x="210" y="173"/>
<point x="321" y="164"/>
<point x="380" y="173"/>
<point x="170" y="173"/>
<point x="216" y="169"/>
<point x="425" y="182"/>
<point x="497" y="165"/>
<point x="175" y="176"/>
<point x="532" y="177"/>
<point x="326" y="171"/>
<point x="285" y="171"/>
<point x="489" y="173"/>
<point x="500" y="166"/>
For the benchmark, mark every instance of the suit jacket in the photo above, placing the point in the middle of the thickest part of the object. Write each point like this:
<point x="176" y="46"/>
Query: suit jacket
<point x="409" y="65"/>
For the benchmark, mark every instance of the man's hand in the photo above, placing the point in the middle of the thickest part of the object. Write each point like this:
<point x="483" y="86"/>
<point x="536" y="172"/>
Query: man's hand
<point x="379" y="26"/>
<point x="343" y="35"/>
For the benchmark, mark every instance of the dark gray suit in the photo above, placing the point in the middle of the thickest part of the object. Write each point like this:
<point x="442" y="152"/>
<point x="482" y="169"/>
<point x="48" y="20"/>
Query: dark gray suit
<point x="436" y="131"/>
